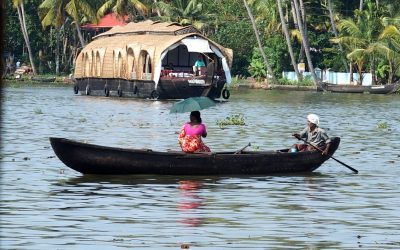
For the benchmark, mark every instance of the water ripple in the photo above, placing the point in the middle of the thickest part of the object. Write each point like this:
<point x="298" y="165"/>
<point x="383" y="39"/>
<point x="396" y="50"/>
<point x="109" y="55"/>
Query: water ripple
<point x="46" y="205"/>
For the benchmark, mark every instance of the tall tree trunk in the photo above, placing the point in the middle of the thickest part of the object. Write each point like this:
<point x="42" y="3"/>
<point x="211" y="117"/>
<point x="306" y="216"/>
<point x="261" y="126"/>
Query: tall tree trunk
<point x="335" y="32"/>
<point x="296" y="26"/>
<point x="253" y="22"/>
<point x="372" y="71"/>
<point x="360" y="74"/>
<point x="303" y="15"/>
<point x="157" y="9"/>
<point x="293" y="11"/>
<point x="306" y="44"/>
<point x="390" y="74"/>
<point x="57" y="54"/>
<point x="351" y="73"/>
<point x="64" y="53"/>
<point x="78" y="30"/>
<point x="24" y="30"/>
<point x="289" y="44"/>
<point x="361" y="5"/>
<point x="301" y="54"/>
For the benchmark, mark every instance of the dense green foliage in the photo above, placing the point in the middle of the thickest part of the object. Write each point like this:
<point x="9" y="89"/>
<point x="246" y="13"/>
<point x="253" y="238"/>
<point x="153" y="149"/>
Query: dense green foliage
<point x="369" y="37"/>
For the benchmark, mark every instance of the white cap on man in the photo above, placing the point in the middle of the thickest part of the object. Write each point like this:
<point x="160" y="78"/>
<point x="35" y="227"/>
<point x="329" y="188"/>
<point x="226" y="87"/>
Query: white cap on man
<point x="313" y="118"/>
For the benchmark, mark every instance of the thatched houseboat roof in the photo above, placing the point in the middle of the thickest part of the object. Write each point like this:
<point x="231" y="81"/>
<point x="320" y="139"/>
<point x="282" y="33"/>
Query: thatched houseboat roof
<point x="113" y="54"/>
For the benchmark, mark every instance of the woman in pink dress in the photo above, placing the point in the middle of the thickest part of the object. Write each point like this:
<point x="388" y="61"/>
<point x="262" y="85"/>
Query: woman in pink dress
<point x="191" y="133"/>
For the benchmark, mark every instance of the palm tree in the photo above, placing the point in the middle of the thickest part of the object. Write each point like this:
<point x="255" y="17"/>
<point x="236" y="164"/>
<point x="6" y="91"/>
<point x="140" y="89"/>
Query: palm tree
<point x="361" y="36"/>
<point x="305" y="42"/>
<point x="55" y="16"/>
<point x="256" y="32"/>
<point x="265" y="11"/>
<point x="19" y="5"/>
<point x="132" y="8"/>
<point x="157" y="10"/>
<point x="390" y="49"/>
<point x="184" y="12"/>
<point x="53" y="13"/>
<point x="335" y="32"/>
<point x="288" y="41"/>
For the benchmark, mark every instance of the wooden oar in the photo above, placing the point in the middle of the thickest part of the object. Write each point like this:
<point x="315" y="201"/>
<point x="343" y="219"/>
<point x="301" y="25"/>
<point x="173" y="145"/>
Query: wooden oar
<point x="329" y="156"/>
<point x="240" y="150"/>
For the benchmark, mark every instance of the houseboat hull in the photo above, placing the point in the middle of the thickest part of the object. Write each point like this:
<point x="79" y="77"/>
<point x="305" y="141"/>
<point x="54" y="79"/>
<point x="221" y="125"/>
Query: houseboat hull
<point x="167" y="88"/>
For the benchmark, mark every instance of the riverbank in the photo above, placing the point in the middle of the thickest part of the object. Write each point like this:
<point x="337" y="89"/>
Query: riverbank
<point x="243" y="83"/>
<point x="38" y="80"/>
<point x="251" y="83"/>
<point x="46" y="80"/>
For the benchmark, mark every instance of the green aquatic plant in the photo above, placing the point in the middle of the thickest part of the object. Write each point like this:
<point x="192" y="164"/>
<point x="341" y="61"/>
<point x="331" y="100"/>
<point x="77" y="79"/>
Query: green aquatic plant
<point x="255" y="147"/>
<point x="236" y="119"/>
<point x="382" y="125"/>
<point x="38" y="111"/>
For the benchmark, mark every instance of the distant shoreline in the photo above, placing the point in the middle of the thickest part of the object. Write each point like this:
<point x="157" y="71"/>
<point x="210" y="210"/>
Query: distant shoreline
<point x="250" y="83"/>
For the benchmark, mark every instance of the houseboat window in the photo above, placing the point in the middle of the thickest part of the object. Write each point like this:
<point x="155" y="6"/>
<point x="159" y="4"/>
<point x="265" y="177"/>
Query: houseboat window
<point x="131" y="64"/>
<point x="146" y="65"/>
<point x="119" y="65"/>
<point x="87" y="65"/>
<point x="98" y="64"/>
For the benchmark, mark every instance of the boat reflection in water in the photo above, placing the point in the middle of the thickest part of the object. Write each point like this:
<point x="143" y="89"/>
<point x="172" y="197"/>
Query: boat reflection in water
<point x="190" y="203"/>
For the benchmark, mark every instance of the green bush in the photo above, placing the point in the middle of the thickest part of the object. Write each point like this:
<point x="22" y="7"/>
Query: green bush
<point x="258" y="70"/>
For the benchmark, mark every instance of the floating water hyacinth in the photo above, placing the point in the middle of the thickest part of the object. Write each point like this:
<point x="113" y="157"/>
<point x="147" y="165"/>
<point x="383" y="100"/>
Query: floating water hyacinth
<point x="38" y="111"/>
<point x="382" y="125"/>
<point x="237" y="120"/>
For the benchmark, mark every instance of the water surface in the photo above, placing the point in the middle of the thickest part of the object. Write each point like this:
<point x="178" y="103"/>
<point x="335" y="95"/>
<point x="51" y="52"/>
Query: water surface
<point x="46" y="205"/>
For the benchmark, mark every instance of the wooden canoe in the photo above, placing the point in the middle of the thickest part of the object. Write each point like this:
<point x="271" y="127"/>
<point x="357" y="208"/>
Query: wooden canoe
<point x="345" y="88"/>
<point x="43" y="79"/>
<point x="95" y="159"/>
<point x="383" y="89"/>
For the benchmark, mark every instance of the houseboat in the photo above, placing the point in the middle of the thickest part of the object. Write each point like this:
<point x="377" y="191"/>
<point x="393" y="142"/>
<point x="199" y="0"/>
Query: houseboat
<point x="153" y="60"/>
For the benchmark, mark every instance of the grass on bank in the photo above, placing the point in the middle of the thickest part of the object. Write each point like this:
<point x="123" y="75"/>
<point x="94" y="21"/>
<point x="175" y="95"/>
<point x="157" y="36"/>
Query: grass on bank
<point x="26" y="81"/>
<point x="240" y="80"/>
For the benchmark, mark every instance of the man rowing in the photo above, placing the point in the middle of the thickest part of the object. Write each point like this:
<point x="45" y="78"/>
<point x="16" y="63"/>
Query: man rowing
<point x="314" y="136"/>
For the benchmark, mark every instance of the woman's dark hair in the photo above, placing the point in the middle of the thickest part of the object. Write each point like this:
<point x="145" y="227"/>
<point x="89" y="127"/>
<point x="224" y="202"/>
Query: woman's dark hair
<point x="196" y="115"/>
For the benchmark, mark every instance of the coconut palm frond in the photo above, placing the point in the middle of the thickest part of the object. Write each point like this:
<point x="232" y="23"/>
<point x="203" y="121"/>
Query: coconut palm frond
<point x="296" y="35"/>
<point x="390" y="31"/>
<point x="391" y="21"/>
<point x="47" y="19"/>
<point x="356" y="54"/>
<point x="51" y="13"/>
<point x="349" y="27"/>
<point x="164" y="8"/>
<point x="104" y="8"/>
<point x="87" y="10"/>
<point x="47" y="4"/>
<point x="350" y="41"/>
<point x="72" y="10"/>
<point x="139" y="6"/>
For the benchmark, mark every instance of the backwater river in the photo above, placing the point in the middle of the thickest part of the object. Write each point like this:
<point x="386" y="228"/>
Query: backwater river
<point x="46" y="205"/>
